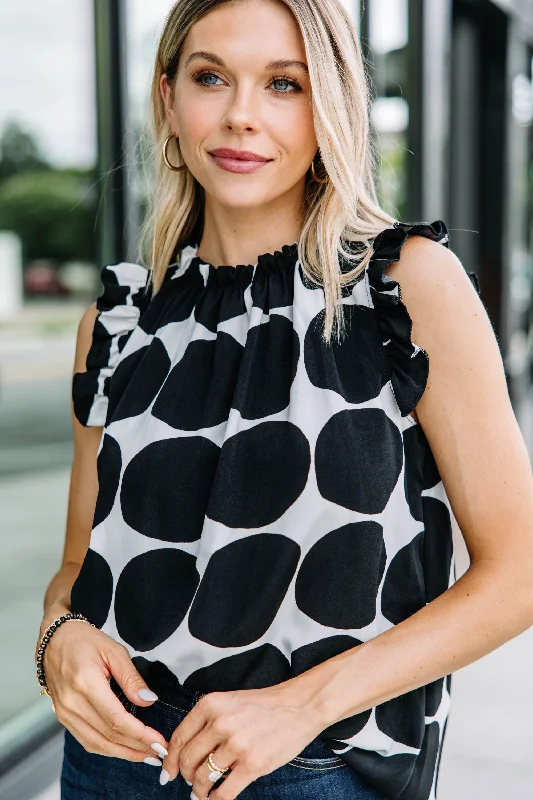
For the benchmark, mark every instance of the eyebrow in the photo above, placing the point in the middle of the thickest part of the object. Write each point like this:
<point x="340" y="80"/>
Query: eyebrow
<point x="272" y="65"/>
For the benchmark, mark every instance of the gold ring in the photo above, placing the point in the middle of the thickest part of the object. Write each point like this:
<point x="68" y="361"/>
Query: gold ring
<point x="216" y="771"/>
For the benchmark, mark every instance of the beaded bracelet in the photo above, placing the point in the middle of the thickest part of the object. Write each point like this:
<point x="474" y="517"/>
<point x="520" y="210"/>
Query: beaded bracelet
<point x="47" y="635"/>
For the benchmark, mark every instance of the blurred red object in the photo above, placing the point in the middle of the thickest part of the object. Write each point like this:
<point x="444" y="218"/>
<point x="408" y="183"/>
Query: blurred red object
<point x="41" y="278"/>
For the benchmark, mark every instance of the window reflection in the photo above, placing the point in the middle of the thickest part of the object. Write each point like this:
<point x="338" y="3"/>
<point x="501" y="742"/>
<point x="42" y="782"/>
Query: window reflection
<point x="388" y="35"/>
<point x="48" y="275"/>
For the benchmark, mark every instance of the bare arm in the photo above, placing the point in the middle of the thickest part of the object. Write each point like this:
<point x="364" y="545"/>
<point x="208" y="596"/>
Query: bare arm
<point x="82" y="493"/>
<point x="467" y="417"/>
<point x="470" y="425"/>
<point x="79" y="660"/>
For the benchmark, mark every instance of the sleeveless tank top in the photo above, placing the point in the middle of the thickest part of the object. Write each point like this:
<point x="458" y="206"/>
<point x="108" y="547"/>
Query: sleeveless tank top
<point x="267" y="501"/>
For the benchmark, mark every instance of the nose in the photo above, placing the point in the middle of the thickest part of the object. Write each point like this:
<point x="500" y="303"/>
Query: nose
<point x="241" y="113"/>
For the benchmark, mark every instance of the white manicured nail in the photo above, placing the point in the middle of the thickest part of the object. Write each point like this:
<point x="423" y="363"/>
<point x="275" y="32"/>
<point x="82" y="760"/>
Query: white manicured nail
<point x="164" y="777"/>
<point x="147" y="694"/>
<point x="193" y="796"/>
<point x="187" y="782"/>
<point x="159" y="749"/>
<point x="154" y="762"/>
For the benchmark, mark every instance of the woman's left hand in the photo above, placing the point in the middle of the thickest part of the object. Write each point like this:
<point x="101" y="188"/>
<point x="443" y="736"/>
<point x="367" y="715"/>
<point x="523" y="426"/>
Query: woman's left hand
<point x="253" y="731"/>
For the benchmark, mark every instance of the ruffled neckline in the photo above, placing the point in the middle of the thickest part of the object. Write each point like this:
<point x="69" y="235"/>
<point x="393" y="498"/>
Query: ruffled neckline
<point x="268" y="263"/>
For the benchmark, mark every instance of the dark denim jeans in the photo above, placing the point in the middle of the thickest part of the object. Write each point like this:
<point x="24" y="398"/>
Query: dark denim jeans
<point x="317" y="772"/>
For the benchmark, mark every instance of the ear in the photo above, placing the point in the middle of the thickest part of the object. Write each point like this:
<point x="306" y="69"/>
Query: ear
<point x="166" y="94"/>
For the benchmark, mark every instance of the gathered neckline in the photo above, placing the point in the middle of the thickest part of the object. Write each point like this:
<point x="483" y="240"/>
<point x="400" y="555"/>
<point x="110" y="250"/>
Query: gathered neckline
<point x="280" y="261"/>
<point x="281" y="257"/>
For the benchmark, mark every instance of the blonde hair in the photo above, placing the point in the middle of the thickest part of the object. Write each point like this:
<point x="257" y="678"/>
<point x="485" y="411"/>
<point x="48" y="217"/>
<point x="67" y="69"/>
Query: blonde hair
<point x="342" y="216"/>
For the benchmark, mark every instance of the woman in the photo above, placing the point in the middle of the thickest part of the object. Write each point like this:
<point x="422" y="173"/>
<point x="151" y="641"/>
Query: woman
<point x="272" y="445"/>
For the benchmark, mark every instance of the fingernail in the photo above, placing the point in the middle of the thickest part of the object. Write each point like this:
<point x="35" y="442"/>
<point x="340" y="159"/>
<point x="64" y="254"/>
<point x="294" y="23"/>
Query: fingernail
<point x="159" y="749"/>
<point x="164" y="777"/>
<point x="147" y="694"/>
<point x="155" y="762"/>
<point x="187" y="782"/>
<point x="193" y="796"/>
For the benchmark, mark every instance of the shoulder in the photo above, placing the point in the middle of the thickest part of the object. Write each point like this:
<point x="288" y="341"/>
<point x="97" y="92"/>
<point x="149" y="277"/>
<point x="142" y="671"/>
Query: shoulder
<point x="450" y="322"/>
<point x="427" y="270"/>
<point x="415" y="262"/>
<point x="442" y="298"/>
<point x="426" y="304"/>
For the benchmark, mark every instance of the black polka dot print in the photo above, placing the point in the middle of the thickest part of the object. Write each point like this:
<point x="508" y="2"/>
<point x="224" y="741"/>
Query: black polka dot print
<point x="420" y="469"/>
<point x="146" y="369"/>
<point x="434" y="697"/>
<point x="404" y="590"/>
<point x="266" y="502"/>
<point x="397" y="720"/>
<point x="368" y="459"/>
<point x="109" y="463"/>
<point x="339" y="578"/>
<point x="277" y="461"/>
<point x="199" y="390"/>
<point x="314" y="653"/>
<point x="92" y="590"/>
<point x="357" y="370"/>
<point x="438" y="546"/>
<point x="268" y="393"/>
<point x="255" y="668"/>
<point x="165" y="488"/>
<point x="349" y="727"/>
<point x="238" y="598"/>
<point x="148" y="612"/>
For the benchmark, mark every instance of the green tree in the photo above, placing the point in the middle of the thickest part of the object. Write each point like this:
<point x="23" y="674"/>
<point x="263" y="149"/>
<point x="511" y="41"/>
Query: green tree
<point x="19" y="151"/>
<point x="53" y="211"/>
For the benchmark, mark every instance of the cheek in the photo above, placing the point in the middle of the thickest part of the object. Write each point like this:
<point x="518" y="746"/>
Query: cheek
<point x="300" y="141"/>
<point x="196" y="118"/>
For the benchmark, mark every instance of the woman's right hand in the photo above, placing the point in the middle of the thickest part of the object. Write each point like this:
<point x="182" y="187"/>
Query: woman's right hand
<point x="78" y="662"/>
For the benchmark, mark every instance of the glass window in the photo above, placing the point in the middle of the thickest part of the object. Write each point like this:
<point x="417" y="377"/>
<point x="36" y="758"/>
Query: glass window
<point x="388" y="35"/>
<point x="48" y="276"/>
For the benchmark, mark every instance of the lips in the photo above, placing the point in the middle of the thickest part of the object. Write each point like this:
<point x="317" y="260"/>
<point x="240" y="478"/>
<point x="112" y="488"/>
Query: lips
<point x="237" y="155"/>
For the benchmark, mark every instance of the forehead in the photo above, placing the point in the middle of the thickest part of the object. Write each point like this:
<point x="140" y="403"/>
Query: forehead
<point x="247" y="32"/>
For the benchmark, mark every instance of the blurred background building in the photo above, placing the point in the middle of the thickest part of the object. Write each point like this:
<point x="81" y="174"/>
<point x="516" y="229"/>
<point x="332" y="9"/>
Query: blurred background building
<point x="452" y="117"/>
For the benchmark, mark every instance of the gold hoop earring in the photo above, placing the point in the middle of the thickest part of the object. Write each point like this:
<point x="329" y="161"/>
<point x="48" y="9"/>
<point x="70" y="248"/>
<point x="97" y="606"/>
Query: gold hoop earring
<point x="165" y="156"/>
<point x="315" y="176"/>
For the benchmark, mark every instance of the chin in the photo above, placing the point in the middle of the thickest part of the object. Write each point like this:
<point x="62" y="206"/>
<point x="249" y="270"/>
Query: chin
<point x="243" y="197"/>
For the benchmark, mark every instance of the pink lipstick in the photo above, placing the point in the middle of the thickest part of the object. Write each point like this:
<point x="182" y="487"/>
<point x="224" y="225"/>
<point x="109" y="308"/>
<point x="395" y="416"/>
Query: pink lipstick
<point x="243" y="161"/>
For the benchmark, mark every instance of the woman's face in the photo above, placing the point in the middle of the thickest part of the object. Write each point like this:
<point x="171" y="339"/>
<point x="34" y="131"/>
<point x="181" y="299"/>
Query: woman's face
<point x="231" y="93"/>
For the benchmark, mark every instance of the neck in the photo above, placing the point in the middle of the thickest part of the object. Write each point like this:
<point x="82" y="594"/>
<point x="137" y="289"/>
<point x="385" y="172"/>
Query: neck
<point x="238" y="236"/>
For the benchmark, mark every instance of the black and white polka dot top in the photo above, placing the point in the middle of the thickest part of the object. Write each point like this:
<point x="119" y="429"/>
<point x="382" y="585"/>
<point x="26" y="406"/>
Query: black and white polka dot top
<point x="266" y="501"/>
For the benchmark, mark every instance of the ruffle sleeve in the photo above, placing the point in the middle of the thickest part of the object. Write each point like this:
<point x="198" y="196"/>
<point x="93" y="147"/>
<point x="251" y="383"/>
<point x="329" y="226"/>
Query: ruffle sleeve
<point x="119" y="308"/>
<point x="409" y="363"/>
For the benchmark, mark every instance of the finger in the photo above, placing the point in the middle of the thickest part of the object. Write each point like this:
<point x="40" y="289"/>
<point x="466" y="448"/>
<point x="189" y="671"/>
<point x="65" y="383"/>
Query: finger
<point x="115" y="721"/>
<point x="236" y="781"/>
<point x="189" y="727"/>
<point x="193" y="756"/>
<point x="130" y="680"/>
<point x="93" y="741"/>
<point x="87" y="711"/>
<point x="204" y="777"/>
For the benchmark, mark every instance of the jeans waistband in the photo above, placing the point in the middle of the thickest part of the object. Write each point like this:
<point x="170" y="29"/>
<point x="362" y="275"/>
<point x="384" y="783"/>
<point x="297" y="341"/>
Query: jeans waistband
<point x="168" y="689"/>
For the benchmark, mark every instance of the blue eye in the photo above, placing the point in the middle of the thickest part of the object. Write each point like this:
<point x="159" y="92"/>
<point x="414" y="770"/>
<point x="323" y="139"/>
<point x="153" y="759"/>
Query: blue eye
<point x="295" y="86"/>
<point x="199" y="78"/>
<point x="288" y="86"/>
